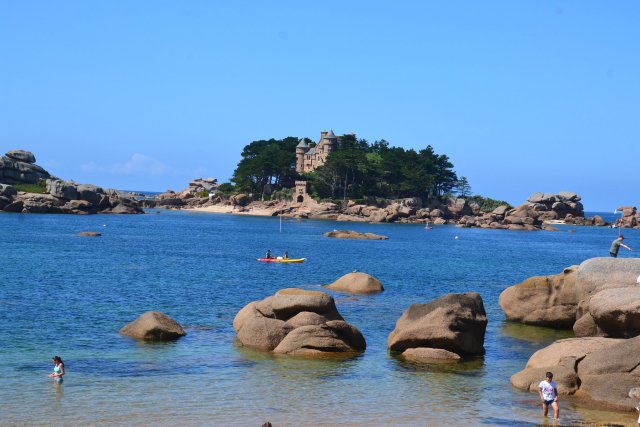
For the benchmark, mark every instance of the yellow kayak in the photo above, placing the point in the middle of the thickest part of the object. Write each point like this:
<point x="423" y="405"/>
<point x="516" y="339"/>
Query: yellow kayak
<point x="280" y="259"/>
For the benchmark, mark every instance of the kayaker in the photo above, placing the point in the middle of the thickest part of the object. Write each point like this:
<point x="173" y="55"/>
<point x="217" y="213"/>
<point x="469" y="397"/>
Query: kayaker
<point x="286" y="255"/>
<point x="268" y="255"/>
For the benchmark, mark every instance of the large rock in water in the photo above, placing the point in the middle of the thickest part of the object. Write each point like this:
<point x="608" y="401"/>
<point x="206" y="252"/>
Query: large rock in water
<point x="598" y="282"/>
<point x="153" y="326"/>
<point x="616" y="312"/>
<point x="297" y="322"/>
<point x="543" y="300"/>
<point x="561" y="358"/>
<point x="600" y="370"/>
<point x="348" y="234"/>
<point x="454" y="322"/>
<point x="356" y="283"/>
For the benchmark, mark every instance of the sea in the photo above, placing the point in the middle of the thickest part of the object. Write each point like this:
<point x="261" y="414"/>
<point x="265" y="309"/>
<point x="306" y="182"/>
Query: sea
<point x="62" y="294"/>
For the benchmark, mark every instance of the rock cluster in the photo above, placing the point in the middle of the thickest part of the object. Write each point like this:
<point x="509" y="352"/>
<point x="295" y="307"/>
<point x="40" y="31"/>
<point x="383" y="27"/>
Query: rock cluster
<point x="200" y="192"/>
<point x="17" y="167"/>
<point x="297" y="322"/>
<point x="600" y="297"/>
<point x="600" y="300"/>
<point x="601" y="370"/>
<point x="630" y="217"/>
<point x="539" y="210"/>
<point x="455" y="323"/>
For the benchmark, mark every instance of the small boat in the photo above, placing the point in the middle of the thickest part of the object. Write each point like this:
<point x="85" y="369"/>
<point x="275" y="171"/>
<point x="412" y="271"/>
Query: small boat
<point x="427" y="226"/>
<point x="280" y="259"/>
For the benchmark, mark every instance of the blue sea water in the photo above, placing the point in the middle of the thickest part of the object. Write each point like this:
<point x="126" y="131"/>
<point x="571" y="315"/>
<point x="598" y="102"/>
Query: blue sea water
<point x="61" y="294"/>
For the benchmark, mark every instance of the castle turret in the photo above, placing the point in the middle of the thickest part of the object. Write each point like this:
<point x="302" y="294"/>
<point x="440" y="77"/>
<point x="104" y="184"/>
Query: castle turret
<point x="301" y="149"/>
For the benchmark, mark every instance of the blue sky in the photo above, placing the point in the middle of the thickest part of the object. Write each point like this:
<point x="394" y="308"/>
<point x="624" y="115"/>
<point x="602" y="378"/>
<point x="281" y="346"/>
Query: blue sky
<point x="523" y="96"/>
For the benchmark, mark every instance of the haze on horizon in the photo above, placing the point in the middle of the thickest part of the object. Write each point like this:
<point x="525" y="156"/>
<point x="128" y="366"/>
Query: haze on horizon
<point x="522" y="96"/>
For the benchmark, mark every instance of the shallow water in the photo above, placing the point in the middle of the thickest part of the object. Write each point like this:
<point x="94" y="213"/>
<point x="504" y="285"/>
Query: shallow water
<point x="69" y="295"/>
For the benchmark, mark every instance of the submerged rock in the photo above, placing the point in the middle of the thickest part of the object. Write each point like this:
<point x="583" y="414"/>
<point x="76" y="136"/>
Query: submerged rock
<point x="348" y="234"/>
<point x="89" y="233"/>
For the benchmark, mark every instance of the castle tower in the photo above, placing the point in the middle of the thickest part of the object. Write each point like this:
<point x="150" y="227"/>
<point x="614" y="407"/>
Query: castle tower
<point x="301" y="149"/>
<point x="300" y="195"/>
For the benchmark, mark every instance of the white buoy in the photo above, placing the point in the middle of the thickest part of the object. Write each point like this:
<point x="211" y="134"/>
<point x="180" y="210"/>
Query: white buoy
<point x="456" y="237"/>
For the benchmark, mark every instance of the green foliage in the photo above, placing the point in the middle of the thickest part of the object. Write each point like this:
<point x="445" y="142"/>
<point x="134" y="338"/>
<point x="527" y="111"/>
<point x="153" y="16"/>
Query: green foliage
<point x="282" y="194"/>
<point x="203" y="193"/>
<point x="39" y="188"/>
<point x="354" y="169"/>
<point x="487" y="204"/>
<point x="462" y="187"/>
<point x="226" y="188"/>
<point x="358" y="169"/>
<point x="266" y="163"/>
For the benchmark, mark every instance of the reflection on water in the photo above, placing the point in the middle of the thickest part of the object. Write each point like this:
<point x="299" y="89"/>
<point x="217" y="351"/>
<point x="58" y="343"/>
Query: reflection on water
<point x="533" y="334"/>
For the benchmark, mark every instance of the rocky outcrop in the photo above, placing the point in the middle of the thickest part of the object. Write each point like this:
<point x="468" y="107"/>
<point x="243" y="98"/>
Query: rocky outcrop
<point x="599" y="370"/>
<point x="297" y="322"/>
<point x="454" y="322"/>
<point x="356" y="283"/>
<point x="629" y="218"/>
<point x="153" y="326"/>
<point x="17" y="167"/>
<point x="600" y="297"/>
<point x="608" y="298"/>
<point x="543" y="300"/>
<point x="349" y="234"/>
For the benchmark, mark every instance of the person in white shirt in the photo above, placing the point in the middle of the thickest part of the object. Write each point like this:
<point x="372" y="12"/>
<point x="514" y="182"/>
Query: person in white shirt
<point x="548" y="391"/>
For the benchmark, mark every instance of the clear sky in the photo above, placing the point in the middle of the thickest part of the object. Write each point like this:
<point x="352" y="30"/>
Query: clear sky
<point x="523" y="96"/>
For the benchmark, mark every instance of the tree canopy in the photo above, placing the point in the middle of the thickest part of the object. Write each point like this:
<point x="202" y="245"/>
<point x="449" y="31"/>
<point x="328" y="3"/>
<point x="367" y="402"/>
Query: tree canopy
<point x="354" y="169"/>
<point x="266" y="165"/>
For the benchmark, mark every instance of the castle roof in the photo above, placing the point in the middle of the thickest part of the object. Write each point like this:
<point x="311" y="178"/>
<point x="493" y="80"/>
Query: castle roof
<point x="312" y="150"/>
<point x="302" y="144"/>
<point x="330" y="135"/>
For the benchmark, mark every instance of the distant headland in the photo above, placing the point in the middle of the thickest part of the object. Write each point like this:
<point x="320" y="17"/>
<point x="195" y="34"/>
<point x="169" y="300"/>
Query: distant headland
<point x="27" y="188"/>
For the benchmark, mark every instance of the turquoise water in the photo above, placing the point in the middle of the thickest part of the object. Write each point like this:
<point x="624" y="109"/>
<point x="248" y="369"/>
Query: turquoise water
<point x="68" y="295"/>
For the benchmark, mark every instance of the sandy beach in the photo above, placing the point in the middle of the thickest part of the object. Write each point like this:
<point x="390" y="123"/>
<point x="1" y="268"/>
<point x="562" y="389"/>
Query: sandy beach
<point x="232" y="210"/>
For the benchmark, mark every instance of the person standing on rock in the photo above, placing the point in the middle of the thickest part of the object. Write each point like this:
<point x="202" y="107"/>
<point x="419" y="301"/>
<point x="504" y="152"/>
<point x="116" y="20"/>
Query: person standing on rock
<point x="615" y="246"/>
<point x="548" y="391"/>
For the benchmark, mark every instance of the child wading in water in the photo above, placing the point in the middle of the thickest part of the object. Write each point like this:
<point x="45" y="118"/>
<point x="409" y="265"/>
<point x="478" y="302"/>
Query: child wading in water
<point x="548" y="391"/>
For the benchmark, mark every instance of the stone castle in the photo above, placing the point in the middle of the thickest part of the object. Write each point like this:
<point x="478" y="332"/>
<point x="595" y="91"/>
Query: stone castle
<point x="309" y="156"/>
